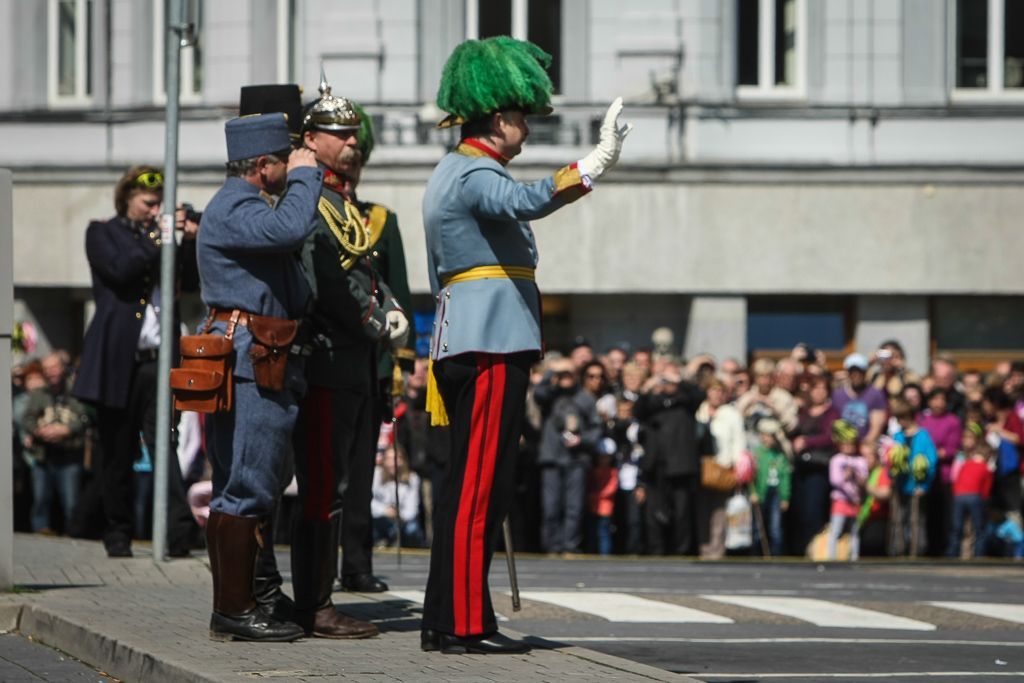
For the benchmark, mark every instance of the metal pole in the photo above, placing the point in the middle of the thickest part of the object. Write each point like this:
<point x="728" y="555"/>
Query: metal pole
<point x="172" y="55"/>
<point x="6" y="325"/>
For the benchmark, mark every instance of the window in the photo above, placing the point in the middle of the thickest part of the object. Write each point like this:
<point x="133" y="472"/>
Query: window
<point x="780" y="323"/>
<point x="989" y="47"/>
<point x="539" y="21"/>
<point x="191" y="66"/>
<point x="770" y="36"/>
<point x="70" y="51"/>
<point x="988" y="323"/>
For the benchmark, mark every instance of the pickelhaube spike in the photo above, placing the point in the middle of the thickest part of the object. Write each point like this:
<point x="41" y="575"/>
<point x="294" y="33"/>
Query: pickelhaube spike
<point x="330" y="112"/>
<point x="325" y="88"/>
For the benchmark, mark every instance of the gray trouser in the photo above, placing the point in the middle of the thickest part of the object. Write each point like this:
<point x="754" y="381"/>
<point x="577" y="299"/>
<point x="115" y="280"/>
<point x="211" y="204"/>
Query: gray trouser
<point x="563" y="497"/>
<point x="248" y="449"/>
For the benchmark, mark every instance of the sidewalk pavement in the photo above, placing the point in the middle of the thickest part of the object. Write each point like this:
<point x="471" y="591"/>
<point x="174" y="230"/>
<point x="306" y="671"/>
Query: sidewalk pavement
<point x="138" y="621"/>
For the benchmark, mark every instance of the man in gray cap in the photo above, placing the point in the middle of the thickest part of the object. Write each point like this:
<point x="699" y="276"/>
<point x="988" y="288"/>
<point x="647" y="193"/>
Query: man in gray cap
<point x="252" y="282"/>
<point x="267" y="99"/>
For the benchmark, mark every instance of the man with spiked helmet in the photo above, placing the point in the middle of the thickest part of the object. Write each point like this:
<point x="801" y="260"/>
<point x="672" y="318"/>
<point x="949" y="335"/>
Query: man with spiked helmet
<point x="481" y="258"/>
<point x="353" y="312"/>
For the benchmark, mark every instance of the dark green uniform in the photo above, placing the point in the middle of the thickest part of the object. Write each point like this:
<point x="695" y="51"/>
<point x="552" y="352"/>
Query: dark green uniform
<point x="335" y="434"/>
<point x="387" y="256"/>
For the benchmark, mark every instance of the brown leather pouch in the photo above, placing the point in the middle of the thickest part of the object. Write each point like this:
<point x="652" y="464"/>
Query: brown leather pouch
<point x="203" y="383"/>
<point x="271" y="341"/>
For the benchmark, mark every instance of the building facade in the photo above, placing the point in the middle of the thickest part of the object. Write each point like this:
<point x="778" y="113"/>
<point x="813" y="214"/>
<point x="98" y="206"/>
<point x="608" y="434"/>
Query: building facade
<point x="838" y="172"/>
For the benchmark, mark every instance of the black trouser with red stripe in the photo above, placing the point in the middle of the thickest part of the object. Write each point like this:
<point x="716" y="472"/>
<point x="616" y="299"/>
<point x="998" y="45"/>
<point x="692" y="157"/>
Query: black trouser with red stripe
<point x="485" y="396"/>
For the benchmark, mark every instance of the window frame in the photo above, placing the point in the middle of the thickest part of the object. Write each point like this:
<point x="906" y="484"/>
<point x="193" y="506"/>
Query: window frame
<point x="766" y="89"/>
<point x="186" y="66"/>
<point x="83" y="55"/>
<point x="995" y="91"/>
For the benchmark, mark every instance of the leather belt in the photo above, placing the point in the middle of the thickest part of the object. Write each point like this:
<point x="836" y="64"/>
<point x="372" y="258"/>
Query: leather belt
<point x="146" y="355"/>
<point x="243" y="320"/>
<point x="225" y="316"/>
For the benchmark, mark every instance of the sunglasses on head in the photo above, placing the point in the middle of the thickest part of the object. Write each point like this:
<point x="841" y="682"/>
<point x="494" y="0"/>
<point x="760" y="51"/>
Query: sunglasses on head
<point x="150" y="180"/>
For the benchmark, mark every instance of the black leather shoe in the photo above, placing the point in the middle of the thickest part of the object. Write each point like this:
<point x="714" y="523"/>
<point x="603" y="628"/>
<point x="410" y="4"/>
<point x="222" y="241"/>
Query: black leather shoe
<point x="118" y="547"/>
<point x="363" y="583"/>
<point x="254" y="625"/>
<point x="494" y="644"/>
<point x="179" y="549"/>
<point x="430" y="640"/>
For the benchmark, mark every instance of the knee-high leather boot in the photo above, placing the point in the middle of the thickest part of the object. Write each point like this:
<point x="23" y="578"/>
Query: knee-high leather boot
<point x="314" y="557"/>
<point x="233" y="543"/>
<point x="267" y="581"/>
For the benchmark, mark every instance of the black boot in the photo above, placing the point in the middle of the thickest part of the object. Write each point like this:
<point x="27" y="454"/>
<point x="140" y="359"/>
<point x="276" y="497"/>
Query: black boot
<point x="233" y="543"/>
<point x="267" y="581"/>
<point x="314" y="557"/>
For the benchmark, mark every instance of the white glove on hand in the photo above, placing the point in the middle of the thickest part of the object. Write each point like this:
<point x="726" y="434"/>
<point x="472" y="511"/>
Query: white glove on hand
<point x="606" y="154"/>
<point x="398" y="328"/>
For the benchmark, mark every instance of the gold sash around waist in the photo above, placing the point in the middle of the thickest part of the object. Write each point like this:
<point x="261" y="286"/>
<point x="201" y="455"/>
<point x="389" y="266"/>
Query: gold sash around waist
<point x="435" y="404"/>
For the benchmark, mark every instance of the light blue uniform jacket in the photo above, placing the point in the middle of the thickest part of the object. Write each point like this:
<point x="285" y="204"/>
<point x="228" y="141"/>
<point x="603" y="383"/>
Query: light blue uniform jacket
<point x="475" y="214"/>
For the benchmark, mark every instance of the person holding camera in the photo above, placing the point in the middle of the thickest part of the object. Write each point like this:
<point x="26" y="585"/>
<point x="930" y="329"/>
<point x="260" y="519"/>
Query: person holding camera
<point x="570" y="437"/>
<point x="118" y="371"/>
<point x="670" y="470"/>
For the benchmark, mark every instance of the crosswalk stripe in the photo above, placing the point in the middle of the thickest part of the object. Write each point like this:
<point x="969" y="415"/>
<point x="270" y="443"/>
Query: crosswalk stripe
<point x="411" y="596"/>
<point x="418" y="597"/>
<point x="625" y="608"/>
<point x="823" y="612"/>
<point x="993" y="610"/>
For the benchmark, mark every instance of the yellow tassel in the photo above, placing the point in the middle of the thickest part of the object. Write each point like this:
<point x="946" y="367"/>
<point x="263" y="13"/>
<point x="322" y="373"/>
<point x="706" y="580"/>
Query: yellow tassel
<point x="435" y="404"/>
<point x="397" y="380"/>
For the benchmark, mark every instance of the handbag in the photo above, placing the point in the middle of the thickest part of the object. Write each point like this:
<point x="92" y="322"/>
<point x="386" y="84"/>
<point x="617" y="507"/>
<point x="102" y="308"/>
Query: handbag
<point x="715" y="477"/>
<point x="271" y="342"/>
<point x="203" y="381"/>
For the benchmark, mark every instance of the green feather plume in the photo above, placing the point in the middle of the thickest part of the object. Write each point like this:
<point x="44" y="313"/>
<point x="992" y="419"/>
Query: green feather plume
<point x="365" y="136"/>
<point x="484" y="76"/>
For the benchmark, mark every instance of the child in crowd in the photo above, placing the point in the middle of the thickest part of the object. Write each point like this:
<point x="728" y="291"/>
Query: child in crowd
<point x="873" y="519"/>
<point x="385" y="508"/>
<point x="602" y="483"/>
<point x="914" y="464"/>
<point x="770" y="489"/>
<point x="848" y="475"/>
<point x="625" y="432"/>
<point x="972" y="481"/>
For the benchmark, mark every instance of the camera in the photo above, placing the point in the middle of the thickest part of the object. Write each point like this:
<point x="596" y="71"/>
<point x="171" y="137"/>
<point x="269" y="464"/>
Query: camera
<point x="191" y="214"/>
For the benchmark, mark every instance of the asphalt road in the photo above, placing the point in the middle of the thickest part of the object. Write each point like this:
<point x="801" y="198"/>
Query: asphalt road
<point x="26" y="661"/>
<point x="753" y="621"/>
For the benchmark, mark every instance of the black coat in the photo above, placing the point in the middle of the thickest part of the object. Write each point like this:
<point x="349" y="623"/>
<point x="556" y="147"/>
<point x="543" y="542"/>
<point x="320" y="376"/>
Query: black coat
<point x="125" y="265"/>
<point x="670" y="431"/>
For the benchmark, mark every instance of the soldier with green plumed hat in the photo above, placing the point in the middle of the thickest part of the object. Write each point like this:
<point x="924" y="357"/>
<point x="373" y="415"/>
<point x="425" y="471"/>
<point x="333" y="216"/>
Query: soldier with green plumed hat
<point x="482" y="258"/>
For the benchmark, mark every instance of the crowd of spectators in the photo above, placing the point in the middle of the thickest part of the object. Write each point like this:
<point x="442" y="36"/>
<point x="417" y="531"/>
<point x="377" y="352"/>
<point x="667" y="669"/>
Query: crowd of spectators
<point x="637" y="451"/>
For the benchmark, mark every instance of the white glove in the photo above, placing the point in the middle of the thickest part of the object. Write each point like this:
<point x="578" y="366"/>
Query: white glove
<point x="606" y="154"/>
<point x="398" y="328"/>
